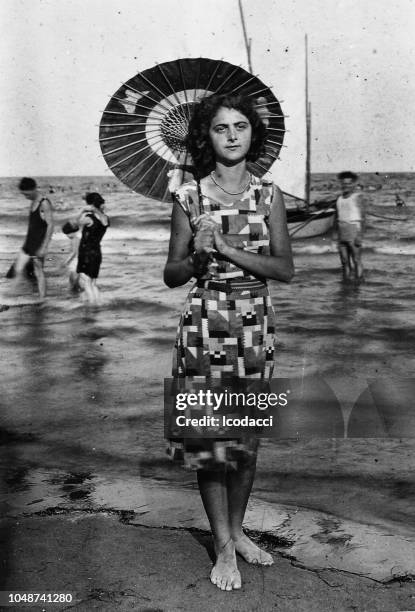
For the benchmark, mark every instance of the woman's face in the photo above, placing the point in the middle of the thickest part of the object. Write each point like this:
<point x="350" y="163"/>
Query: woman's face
<point x="230" y="133"/>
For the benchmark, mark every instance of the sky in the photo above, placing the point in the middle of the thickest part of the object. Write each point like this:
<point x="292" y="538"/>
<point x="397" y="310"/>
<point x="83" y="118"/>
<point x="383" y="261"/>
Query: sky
<point x="60" y="60"/>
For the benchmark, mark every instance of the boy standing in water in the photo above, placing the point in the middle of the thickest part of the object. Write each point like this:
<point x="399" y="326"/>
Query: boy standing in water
<point x="350" y="225"/>
<point x="39" y="233"/>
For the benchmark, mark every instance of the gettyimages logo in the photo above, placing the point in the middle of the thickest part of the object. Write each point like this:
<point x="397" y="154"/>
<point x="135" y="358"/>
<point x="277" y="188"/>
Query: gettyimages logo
<point x="228" y="408"/>
<point x="310" y="407"/>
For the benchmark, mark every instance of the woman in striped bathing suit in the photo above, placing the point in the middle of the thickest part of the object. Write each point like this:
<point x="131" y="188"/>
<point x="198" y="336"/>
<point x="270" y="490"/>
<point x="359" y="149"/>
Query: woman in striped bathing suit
<point x="229" y="231"/>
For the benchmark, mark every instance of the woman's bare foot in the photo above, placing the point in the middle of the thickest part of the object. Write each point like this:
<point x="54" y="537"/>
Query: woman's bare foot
<point x="225" y="573"/>
<point x="251" y="552"/>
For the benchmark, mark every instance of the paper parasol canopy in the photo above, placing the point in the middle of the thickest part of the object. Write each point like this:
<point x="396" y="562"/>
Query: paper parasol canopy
<point x="144" y="126"/>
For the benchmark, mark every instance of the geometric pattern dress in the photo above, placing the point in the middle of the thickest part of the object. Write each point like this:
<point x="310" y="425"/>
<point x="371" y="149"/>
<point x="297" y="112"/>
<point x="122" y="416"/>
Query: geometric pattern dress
<point x="227" y="327"/>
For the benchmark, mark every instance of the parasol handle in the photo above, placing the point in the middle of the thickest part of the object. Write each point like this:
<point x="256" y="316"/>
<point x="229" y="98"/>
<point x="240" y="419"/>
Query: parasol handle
<point x="199" y="197"/>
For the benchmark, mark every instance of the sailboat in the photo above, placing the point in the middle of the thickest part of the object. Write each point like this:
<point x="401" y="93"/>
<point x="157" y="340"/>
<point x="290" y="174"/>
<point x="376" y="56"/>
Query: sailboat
<point x="305" y="219"/>
<point x="310" y="223"/>
<point x="309" y="219"/>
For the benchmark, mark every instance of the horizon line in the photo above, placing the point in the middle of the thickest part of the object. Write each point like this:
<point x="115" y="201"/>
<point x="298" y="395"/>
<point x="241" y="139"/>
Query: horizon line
<point x="113" y="177"/>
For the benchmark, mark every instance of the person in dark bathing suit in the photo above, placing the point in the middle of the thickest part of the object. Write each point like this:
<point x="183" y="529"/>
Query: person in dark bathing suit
<point x="94" y="223"/>
<point x="39" y="233"/>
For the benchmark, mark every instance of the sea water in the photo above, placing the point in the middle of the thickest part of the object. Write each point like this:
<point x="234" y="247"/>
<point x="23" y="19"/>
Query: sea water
<point x="81" y="387"/>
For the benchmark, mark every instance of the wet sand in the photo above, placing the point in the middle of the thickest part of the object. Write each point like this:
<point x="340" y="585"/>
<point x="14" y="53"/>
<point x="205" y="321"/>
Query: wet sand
<point x="123" y="567"/>
<point x="82" y="398"/>
<point x="80" y="444"/>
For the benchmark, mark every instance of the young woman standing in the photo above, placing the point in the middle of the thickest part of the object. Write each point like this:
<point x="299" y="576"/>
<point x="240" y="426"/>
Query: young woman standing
<point x="229" y="231"/>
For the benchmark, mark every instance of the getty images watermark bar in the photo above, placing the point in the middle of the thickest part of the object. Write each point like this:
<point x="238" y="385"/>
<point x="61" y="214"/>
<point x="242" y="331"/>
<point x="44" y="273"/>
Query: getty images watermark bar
<point x="230" y="407"/>
<point x="308" y="407"/>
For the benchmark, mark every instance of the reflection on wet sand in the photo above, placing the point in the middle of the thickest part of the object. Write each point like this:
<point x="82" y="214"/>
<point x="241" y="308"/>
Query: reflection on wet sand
<point x="76" y="403"/>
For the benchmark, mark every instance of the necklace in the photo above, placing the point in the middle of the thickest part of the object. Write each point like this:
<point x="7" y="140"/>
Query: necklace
<point x="231" y="192"/>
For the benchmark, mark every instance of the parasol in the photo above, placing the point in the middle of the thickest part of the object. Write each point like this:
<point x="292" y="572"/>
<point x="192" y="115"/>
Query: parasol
<point x="144" y="126"/>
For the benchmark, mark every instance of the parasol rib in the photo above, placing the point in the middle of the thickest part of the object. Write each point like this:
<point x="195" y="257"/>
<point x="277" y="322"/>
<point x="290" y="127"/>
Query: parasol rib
<point x="121" y="161"/>
<point x="143" y="176"/>
<point x="135" y="104"/>
<point x="271" y="155"/>
<point x="227" y="79"/>
<point x="166" y="192"/>
<point x="197" y="81"/>
<point x="107" y="112"/>
<point x="260" y="166"/>
<point x="153" y="152"/>
<point x="146" y="95"/>
<point x="212" y="76"/>
<point x="158" y="90"/>
<point x="160" y="174"/>
<point x="269" y="103"/>
<point x="126" y="135"/>
<point x="136" y="124"/>
<point x="179" y="106"/>
<point x="135" y="142"/>
<point x="243" y="84"/>
<point x="149" y="97"/>
<point x="277" y="144"/>
<point x="186" y="108"/>
<point x="260" y="91"/>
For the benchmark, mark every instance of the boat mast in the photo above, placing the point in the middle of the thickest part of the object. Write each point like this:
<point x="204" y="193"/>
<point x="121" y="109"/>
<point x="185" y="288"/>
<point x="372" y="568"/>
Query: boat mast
<point x="248" y="44"/>
<point x="308" y="131"/>
<point x="247" y="40"/>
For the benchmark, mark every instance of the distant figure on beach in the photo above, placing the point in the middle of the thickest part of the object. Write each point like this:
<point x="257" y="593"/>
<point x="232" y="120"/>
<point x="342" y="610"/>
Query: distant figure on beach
<point x="39" y="233"/>
<point x="399" y="201"/>
<point x="71" y="231"/>
<point x="94" y="223"/>
<point x="350" y="225"/>
<point x="229" y="232"/>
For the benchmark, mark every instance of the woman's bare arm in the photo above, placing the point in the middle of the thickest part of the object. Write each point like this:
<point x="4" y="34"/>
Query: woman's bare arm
<point x="181" y="265"/>
<point x="84" y="219"/>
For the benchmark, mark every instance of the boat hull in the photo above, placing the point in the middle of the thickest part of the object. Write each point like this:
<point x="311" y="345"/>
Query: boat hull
<point x="310" y="224"/>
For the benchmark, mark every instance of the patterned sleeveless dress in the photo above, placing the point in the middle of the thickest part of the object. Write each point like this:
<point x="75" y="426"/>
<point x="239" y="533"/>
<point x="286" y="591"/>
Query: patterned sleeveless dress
<point x="228" y="323"/>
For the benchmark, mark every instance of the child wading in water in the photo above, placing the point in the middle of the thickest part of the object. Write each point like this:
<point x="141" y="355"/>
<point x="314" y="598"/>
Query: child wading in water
<point x="229" y="231"/>
<point x="71" y="230"/>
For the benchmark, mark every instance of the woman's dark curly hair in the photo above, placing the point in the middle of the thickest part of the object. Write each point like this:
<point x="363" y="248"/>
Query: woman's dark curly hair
<point x="198" y="140"/>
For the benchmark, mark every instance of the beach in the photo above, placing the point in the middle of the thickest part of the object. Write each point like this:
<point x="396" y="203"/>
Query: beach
<point x="81" y="402"/>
